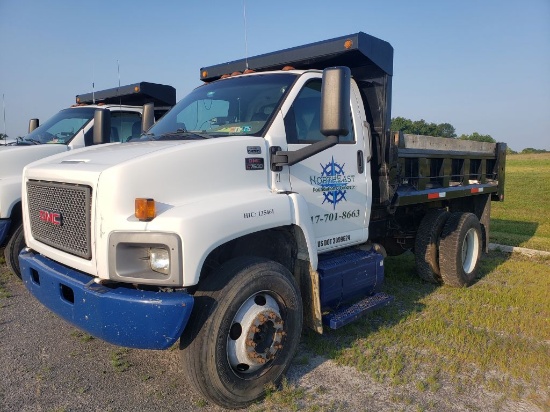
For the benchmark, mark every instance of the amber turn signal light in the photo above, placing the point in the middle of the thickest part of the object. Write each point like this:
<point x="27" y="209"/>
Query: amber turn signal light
<point x="145" y="208"/>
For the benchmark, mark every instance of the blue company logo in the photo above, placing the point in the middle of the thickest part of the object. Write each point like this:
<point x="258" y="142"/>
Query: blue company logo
<point x="333" y="182"/>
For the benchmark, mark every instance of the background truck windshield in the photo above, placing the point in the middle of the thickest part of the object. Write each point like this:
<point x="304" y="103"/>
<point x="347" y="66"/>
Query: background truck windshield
<point x="60" y="128"/>
<point x="238" y="105"/>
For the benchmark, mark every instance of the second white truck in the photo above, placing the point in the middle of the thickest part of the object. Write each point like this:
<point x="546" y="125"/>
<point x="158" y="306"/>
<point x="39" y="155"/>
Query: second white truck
<point x="70" y="129"/>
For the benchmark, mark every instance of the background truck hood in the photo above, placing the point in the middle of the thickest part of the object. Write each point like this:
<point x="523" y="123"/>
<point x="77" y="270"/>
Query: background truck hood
<point x="110" y="154"/>
<point x="14" y="158"/>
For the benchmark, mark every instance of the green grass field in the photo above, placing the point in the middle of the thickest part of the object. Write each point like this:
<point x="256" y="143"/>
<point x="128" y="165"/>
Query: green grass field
<point x="523" y="219"/>
<point x="492" y="336"/>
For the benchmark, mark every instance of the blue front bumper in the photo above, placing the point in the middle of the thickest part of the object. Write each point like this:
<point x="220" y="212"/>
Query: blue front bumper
<point x="120" y="315"/>
<point x="4" y="229"/>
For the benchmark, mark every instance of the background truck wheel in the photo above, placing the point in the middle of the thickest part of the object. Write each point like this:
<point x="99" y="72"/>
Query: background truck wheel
<point x="243" y="332"/>
<point x="14" y="246"/>
<point x="460" y="249"/>
<point x="426" y="247"/>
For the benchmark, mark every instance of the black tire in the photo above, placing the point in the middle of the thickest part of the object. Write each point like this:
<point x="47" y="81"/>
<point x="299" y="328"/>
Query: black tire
<point x="243" y="332"/>
<point x="13" y="248"/>
<point x="460" y="248"/>
<point x="426" y="246"/>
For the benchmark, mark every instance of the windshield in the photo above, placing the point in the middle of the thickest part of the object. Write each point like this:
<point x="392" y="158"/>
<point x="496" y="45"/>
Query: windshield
<point x="238" y="105"/>
<point x="60" y="128"/>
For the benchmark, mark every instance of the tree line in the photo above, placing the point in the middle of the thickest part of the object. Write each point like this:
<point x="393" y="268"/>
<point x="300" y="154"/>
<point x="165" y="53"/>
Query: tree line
<point x="432" y="129"/>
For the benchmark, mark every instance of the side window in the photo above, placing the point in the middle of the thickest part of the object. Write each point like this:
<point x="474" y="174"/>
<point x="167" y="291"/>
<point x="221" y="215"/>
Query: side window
<point x="125" y="125"/>
<point x="303" y="121"/>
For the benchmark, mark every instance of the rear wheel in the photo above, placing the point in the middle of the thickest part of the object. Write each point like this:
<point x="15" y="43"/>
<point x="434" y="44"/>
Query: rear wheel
<point x="426" y="248"/>
<point x="243" y="332"/>
<point x="13" y="248"/>
<point x="460" y="249"/>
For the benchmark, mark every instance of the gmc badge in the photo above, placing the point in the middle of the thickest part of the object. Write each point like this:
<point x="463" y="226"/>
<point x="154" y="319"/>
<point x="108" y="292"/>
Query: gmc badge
<point x="53" y="218"/>
<point x="254" y="163"/>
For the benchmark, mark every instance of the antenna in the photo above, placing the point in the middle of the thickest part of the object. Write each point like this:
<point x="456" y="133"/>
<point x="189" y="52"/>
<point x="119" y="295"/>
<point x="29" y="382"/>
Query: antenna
<point x="4" y="107"/>
<point x="93" y="83"/>
<point x="245" y="38"/>
<point x="118" y="89"/>
<point x="119" y="97"/>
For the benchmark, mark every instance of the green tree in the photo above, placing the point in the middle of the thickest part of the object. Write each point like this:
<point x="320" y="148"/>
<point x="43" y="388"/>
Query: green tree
<point x="446" y="130"/>
<point x="530" y="150"/>
<point x="401" y="124"/>
<point x="422" y="127"/>
<point x="3" y="136"/>
<point x="478" y="137"/>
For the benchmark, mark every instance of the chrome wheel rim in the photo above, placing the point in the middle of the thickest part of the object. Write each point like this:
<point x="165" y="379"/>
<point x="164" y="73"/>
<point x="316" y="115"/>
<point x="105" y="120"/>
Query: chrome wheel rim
<point x="470" y="250"/>
<point x="255" y="335"/>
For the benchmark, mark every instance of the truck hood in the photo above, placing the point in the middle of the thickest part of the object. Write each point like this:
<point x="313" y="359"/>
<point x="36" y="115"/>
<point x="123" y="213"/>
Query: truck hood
<point x="153" y="165"/>
<point x="186" y="179"/>
<point x="14" y="158"/>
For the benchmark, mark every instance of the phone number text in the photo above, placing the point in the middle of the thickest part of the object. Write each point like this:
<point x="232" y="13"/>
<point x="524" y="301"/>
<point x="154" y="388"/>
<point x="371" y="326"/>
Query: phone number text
<point x="333" y="217"/>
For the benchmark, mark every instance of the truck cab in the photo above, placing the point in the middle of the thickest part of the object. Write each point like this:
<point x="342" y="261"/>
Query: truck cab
<point x="70" y="129"/>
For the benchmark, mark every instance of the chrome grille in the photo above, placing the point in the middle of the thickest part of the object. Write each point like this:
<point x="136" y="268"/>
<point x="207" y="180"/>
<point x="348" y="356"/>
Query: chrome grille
<point x="60" y="216"/>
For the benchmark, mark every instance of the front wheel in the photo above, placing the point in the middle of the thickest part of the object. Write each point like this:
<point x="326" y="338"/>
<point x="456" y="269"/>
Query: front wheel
<point x="13" y="248"/>
<point x="243" y="332"/>
<point x="460" y="249"/>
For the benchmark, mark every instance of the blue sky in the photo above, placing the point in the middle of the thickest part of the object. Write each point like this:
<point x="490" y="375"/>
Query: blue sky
<point x="483" y="66"/>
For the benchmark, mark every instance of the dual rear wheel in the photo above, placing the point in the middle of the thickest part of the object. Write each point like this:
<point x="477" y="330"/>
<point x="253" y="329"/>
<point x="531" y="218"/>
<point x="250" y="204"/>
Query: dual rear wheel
<point x="448" y="247"/>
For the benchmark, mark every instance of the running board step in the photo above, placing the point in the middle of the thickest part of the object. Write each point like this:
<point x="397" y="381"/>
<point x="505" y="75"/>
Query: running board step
<point x="349" y="313"/>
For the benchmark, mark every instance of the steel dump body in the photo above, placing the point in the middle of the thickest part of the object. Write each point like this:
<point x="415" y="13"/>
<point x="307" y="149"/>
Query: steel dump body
<point x="450" y="168"/>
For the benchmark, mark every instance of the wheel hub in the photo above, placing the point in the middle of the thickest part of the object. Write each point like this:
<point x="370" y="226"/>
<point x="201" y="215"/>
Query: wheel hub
<point x="256" y="334"/>
<point x="264" y="337"/>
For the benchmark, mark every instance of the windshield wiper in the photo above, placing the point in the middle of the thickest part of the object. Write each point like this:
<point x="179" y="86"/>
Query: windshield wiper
<point x="33" y="141"/>
<point x="142" y="136"/>
<point x="184" y="133"/>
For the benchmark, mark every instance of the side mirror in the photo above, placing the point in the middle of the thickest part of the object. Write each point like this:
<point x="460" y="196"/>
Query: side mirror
<point x="33" y="124"/>
<point x="102" y="126"/>
<point x="335" y="95"/>
<point x="148" y="117"/>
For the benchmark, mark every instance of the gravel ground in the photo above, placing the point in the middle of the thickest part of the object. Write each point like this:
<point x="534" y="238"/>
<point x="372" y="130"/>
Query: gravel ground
<point x="48" y="365"/>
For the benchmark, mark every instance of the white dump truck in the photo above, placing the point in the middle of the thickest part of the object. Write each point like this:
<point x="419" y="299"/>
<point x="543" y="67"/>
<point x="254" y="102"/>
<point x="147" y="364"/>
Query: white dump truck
<point x="263" y="200"/>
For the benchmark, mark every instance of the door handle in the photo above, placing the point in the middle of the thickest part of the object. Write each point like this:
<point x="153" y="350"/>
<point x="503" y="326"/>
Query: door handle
<point x="360" y="162"/>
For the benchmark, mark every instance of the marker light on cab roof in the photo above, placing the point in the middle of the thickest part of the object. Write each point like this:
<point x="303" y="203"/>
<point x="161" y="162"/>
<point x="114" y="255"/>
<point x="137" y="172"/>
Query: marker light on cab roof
<point x="145" y="209"/>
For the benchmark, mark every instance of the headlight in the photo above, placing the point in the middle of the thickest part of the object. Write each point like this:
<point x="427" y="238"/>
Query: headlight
<point x="153" y="258"/>
<point x="159" y="260"/>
